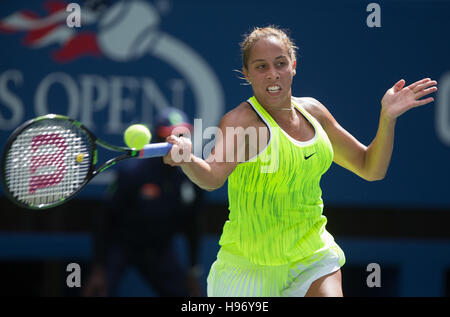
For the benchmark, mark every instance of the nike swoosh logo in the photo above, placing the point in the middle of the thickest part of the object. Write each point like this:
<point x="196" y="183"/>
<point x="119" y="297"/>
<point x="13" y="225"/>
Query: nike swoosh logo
<point x="307" y="157"/>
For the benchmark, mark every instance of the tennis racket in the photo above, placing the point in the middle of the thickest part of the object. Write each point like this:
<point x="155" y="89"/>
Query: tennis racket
<point x="49" y="159"/>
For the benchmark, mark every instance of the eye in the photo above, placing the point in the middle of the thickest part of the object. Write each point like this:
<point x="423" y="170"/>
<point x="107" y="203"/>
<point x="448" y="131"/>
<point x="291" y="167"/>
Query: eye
<point x="261" y="66"/>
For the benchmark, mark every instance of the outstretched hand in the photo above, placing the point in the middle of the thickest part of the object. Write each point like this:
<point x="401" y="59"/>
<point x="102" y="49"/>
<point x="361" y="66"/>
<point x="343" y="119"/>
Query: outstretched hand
<point x="400" y="99"/>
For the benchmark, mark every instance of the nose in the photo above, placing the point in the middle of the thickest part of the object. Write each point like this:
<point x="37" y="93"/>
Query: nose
<point x="272" y="74"/>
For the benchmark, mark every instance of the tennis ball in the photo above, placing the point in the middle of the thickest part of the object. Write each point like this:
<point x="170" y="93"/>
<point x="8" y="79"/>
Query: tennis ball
<point x="136" y="136"/>
<point x="80" y="158"/>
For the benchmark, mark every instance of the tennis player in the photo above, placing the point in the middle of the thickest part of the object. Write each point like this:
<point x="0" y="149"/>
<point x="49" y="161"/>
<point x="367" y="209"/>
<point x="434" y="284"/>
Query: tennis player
<point x="275" y="242"/>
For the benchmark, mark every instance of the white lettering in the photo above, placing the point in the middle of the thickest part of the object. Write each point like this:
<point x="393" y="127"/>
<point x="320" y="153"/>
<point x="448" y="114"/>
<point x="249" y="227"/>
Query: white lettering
<point x="194" y="307"/>
<point x="70" y="88"/>
<point x="273" y="157"/>
<point x="245" y="306"/>
<point x="74" y="278"/>
<point x="91" y="86"/>
<point x="178" y="86"/>
<point x="209" y="133"/>
<point x="121" y="102"/>
<point x="241" y="136"/>
<point x="198" y="139"/>
<point x="374" y="18"/>
<point x="11" y="101"/>
<point x="374" y="278"/>
<point x="152" y="97"/>
<point x="74" y="18"/>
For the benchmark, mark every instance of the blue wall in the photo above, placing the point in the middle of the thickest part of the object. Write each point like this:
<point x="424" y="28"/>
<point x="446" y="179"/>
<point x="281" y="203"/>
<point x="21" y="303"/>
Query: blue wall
<point x="342" y="62"/>
<point x="421" y="265"/>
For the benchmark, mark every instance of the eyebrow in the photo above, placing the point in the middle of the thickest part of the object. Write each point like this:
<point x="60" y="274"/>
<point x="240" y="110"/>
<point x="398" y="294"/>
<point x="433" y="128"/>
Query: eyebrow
<point x="263" y="60"/>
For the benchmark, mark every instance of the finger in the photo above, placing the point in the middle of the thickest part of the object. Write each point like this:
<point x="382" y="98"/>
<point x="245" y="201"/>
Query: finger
<point x="422" y="102"/>
<point x="173" y="139"/>
<point x="424" y="85"/>
<point x="425" y="92"/>
<point x="399" y="85"/>
<point x="176" y="154"/>
<point x="166" y="159"/>
<point x="414" y="85"/>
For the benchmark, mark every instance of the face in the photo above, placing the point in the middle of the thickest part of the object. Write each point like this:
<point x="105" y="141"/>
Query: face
<point x="270" y="71"/>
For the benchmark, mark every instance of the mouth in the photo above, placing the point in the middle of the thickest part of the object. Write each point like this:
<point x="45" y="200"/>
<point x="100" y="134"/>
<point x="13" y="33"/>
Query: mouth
<point x="274" y="89"/>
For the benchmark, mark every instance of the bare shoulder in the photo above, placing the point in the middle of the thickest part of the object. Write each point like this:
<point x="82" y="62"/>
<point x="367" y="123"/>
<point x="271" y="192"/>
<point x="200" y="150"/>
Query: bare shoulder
<point x="241" y="116"/>
<point x="316" y="109"/>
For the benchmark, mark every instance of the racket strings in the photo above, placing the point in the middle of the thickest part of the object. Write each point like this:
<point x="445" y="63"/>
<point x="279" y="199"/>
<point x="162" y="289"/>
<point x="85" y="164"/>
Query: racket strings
<point x="47" y="162"/>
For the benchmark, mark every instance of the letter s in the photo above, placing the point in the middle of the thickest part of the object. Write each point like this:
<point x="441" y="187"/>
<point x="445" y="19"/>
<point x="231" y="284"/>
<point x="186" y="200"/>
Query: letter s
<point x="11" y="101"/>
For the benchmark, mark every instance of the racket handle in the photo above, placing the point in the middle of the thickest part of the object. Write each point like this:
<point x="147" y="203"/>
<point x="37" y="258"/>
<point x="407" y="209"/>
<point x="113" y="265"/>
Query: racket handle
<point x="155" y="150"/>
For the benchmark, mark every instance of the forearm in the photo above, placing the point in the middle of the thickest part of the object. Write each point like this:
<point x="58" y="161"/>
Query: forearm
<point x="201" y="173"/>
<point x="379" y="152"/>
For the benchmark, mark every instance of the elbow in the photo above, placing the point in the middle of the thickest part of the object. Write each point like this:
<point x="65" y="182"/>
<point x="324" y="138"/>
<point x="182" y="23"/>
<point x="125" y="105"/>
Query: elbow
<point x="211" y="187"/>
<point x="373" y="173"/>
<point x="373" y="178"/>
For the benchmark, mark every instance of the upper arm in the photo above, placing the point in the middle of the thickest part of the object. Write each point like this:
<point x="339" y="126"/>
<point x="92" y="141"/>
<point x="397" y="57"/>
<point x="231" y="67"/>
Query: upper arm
<point x="348" y="151"/>
<point x="223" y="158"/>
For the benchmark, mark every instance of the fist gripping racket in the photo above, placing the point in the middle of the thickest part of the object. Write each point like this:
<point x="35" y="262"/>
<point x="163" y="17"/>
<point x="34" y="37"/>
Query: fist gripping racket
<point x="49" y="159"/>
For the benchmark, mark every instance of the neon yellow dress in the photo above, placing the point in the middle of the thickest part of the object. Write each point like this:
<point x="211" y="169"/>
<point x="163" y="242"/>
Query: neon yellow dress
<point x="275" y="199"/>
<point x="275" y="242"/>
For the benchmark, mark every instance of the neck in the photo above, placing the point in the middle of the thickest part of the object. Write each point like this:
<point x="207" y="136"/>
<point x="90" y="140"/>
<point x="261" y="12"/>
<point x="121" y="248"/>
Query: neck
<point x="280" y="108"/>
<point x="284" y="106"/>
<point x="282" y="113"/>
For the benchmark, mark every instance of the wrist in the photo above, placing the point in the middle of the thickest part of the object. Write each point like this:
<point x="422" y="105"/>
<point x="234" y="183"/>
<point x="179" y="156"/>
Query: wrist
<point x="188" y="160"/>
<point x="188" y="165"/>
<point x="387" y="118"/>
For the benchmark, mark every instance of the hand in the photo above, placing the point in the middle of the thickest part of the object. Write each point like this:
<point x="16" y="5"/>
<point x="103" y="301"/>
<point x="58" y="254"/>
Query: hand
<point x="180" y="152"/>
<point x="400" y="99"/>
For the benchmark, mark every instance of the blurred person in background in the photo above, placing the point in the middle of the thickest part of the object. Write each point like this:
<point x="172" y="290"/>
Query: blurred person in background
<point x="149" y="204"/>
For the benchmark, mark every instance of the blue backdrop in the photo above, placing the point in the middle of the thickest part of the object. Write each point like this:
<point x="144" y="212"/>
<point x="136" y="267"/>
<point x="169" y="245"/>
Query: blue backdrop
<point x="130" y="58"/>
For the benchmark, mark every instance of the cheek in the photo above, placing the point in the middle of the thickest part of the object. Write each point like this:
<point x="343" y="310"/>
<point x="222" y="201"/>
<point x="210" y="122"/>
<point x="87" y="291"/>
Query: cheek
<point x="254" y="78"/>
<point x="288" y="74"/>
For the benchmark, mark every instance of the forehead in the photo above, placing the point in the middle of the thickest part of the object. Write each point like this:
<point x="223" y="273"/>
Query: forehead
<point x="268" y="48"/>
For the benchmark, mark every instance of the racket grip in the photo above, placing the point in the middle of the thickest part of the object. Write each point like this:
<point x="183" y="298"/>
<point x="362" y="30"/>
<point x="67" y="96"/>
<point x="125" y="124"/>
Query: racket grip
<point x="155" y="150"/>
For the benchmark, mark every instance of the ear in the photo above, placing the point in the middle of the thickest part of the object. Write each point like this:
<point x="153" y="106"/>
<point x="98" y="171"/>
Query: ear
<point x="245" y="72"/>
<point x="294" y="66"/>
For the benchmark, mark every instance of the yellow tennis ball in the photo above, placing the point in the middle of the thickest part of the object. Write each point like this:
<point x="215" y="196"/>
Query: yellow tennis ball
<point x="136" y="136"/>
<point x="80" y="158"/>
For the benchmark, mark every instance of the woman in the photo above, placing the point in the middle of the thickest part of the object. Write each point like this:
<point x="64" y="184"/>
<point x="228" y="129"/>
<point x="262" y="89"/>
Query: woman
<point x="275" y="242"/>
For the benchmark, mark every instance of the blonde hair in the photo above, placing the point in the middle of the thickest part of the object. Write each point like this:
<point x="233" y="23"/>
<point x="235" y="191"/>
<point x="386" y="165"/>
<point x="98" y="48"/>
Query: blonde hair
<point x="266" y="32"/>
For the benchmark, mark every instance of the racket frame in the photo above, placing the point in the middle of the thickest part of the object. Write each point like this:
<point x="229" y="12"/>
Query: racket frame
<point x="92" y="171"/>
